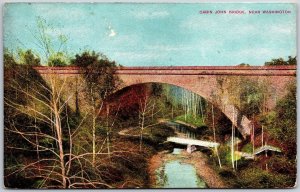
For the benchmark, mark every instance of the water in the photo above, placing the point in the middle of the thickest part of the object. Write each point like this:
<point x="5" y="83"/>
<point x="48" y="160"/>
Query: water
<point x="175" y="174"/>
<point x="176" y="151"/>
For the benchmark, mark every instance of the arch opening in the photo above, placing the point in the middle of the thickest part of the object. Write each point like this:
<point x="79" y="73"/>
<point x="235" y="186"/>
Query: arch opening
<point x="179" y="104"/>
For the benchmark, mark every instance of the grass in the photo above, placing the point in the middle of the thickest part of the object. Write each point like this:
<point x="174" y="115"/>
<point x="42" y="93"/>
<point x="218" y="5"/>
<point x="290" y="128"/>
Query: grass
<point x="191" y="119"/>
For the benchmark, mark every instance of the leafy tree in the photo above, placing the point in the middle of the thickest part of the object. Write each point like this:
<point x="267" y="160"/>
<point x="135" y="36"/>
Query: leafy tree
<point x="98" y="73"/>
<point x="284" y="125"/>
<point x="8" y="59"/>
<point x="28" y="58"/>
<point x="291" y="61"/>
<point x="244" y="65"/>
<point x="57" y="60"/>
<point x="87" y="58"/>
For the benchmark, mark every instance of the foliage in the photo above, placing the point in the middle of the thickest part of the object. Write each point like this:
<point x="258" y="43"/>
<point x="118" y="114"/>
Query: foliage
<point x="248" y="94"/>
<point x="48" y="44"/>
<point x="281" y="165"/>
<point x="267" y="118"/>
<point x="244" y="65"/>
<point x="191" y="119"/>
<point x="225" y="155"/>
<point x="248" y="148"/>
<point x="100" y="81"/>
<point x="28" y="58"/>
<point x="253" y="177"/>
<point x="291" y="61"/>
<point x="98" y="73"/>
<point x="284" y="127"/>
<point x="8" y="59"/>
<point x="57" y="60"/>
<point x="39" y="131"/>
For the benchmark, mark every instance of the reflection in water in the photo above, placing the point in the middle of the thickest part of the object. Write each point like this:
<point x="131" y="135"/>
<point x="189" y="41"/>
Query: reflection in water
<point x="175" y="174"/>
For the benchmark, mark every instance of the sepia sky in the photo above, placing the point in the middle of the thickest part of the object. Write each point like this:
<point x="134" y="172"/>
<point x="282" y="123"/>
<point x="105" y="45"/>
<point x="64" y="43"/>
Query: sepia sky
<point x="158" y="34"/>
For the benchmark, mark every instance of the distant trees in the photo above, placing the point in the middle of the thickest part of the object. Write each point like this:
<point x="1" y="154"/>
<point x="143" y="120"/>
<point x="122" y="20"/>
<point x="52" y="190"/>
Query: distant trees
<point x="244" y="65"/>
<point x="58" y="60"/>
<point x="280" y="61"/>
<point x="28" y="58"/>
<point x="8" y="59"/>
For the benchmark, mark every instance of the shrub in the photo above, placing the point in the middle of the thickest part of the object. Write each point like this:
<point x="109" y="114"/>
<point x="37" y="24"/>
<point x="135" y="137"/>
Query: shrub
<point x="257" y="178"/>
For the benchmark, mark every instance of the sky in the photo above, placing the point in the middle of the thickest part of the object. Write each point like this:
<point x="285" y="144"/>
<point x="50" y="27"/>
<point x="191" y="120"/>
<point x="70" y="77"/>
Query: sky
<point x="157" y="34"/>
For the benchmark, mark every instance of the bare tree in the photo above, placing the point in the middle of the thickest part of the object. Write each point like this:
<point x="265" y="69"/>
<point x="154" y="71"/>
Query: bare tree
<point x="214" y="132"/>
<point x="47" y="132"/>
<point x="146" y="113"/>
<point x="100" y="81"/>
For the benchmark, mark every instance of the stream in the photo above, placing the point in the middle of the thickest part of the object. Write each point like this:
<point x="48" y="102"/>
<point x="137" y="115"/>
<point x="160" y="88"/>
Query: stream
<point x="174" y="172"/>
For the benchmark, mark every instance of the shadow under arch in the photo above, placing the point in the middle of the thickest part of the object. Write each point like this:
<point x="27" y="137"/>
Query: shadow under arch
<point x="238" y="117"/>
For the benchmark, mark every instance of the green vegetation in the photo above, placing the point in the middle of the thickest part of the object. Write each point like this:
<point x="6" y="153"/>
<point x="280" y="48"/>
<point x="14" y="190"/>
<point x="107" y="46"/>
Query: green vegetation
<point x="191" y="119"/>
<point x="253" y="177"/>
<point x="279" y="129"/>
<point x="225" y="155"/>
<point x="291" y="61"/>
<point x="48" y="143"/>
<point x="248" y="148"/>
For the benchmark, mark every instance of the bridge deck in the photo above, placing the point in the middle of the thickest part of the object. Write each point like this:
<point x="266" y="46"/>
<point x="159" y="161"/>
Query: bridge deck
<point x="185" y="141"/>
<point x="185" y="70"/>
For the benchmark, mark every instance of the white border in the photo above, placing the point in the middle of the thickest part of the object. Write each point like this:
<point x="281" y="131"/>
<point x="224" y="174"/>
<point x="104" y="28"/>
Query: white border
<point x="141" y="1"/>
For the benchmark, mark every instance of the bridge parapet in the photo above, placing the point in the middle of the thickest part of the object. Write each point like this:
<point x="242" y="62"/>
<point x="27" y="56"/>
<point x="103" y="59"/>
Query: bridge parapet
<point x="186" y="70"/>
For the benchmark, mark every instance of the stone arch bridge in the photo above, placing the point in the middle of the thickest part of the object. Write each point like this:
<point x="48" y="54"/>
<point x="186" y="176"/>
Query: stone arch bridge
<point x="212" y="83"/>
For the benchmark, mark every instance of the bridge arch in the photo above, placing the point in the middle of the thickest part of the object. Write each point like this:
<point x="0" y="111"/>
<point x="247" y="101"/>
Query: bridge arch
<point x="203" y="80"/>
<point x="233" y="115"/>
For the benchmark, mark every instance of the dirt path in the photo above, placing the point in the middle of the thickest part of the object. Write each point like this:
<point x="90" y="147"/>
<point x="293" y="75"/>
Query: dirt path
<point x="197" y="159"/>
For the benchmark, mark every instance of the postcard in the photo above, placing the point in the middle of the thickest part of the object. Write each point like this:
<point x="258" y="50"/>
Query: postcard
<point x="149" y="95"/>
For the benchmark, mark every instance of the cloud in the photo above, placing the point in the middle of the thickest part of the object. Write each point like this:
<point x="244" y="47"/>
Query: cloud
<point x="281" y="29"/>
<point x="151" y="14"/>
<point x="160" y="48"/>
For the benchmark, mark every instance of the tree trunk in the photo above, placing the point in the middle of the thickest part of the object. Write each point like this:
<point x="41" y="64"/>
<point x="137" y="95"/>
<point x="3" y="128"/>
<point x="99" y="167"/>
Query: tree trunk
<point x="214" y="130"/>
<point x="60" y="142"/>
<point x="107" y="131"/>
<point x="232" y="139"/>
